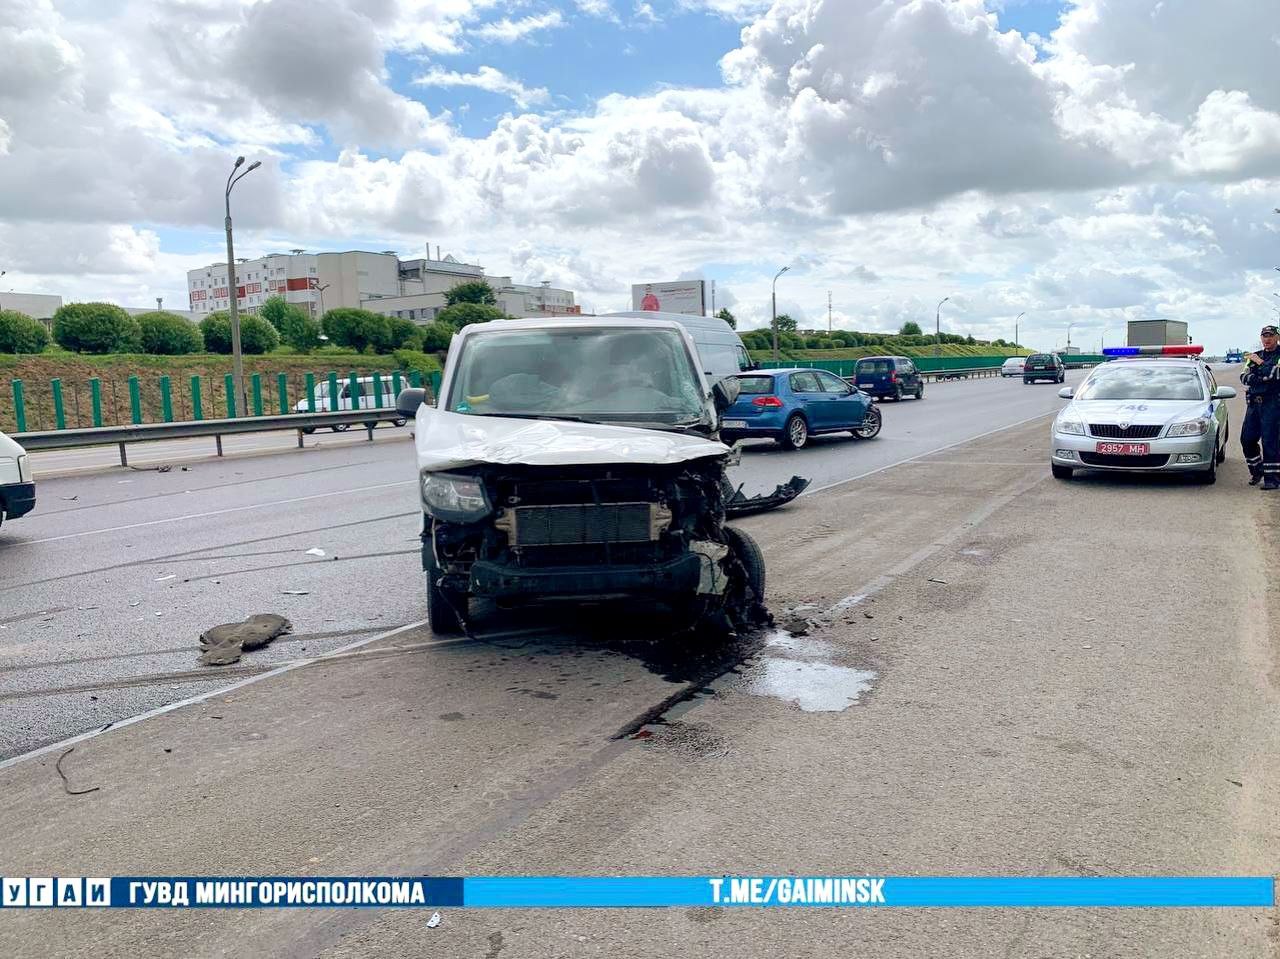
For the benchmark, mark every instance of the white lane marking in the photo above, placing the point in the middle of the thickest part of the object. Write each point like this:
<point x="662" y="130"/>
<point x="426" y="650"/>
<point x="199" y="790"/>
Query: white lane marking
<point x="201" y="697"/>
<point x="214" y="512"/>
<point x="940" y="449"/>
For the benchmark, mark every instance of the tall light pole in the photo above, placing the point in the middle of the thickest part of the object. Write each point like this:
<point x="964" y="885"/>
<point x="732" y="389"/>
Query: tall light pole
<point x="775" y="312"/>
<point x="1015" y="326"/>
<point x="1069" y="326"/>
<point x="937" y="327"/>
<point x="237" y="358"/>
<point x="320" y="290"/>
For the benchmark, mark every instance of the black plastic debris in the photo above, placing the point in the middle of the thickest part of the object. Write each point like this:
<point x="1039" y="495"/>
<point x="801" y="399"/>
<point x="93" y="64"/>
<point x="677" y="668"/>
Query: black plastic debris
<point x="224" y="644"/>
<point x="741" y="505"/>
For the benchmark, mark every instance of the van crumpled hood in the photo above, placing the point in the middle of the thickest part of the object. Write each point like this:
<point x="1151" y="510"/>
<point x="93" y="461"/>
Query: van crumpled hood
<point x="453" y="440"/>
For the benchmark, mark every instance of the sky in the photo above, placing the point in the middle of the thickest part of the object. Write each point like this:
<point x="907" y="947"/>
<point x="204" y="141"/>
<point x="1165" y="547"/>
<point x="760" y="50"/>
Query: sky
<point x="1083" y="162"/>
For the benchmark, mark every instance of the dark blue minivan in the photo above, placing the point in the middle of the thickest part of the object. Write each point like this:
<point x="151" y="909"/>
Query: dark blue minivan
<point x="885" y="376"/>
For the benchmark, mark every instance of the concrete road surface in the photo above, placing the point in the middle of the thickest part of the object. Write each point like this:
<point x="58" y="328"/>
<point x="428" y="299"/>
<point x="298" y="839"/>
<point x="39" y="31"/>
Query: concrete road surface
<point x="1011" y="675"/>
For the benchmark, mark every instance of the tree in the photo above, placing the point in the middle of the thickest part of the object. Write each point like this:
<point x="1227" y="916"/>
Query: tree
<point x="464" y="314"/>
<point x="436" y="337"/>
<point x="472" y="291"/>
<point x="402" y="332"/>
<point x="358" y="329"/>
<point x="96" y="328"/>
<point x="297" y="328"/>
<point x="19" y="333"/>
<point x="785" y="323"/>
<point x="725" y="315"/>
<point x="910" y="328"/>
<point x="166" y="334"/>
<point x="256" y="334"/>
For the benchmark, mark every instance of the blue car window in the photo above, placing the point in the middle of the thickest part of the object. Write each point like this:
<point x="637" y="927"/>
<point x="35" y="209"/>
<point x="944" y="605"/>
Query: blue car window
<point x="804" y="383"/>
<point x="832" y="383"/>
<point x="755" y="385"/>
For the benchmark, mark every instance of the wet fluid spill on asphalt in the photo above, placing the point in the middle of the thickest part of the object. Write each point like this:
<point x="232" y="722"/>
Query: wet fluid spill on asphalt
<point x="793" y="669"/>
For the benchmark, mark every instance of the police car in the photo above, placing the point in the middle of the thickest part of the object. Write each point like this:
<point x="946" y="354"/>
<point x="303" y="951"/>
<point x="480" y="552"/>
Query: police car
<point x="1152" y="409"/>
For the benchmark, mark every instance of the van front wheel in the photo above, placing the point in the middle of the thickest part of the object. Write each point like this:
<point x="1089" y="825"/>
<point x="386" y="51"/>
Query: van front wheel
<point x="340" y="427"/>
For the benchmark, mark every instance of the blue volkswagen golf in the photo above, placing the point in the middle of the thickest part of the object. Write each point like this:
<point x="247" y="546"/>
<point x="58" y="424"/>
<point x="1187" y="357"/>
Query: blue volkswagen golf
<point x="789" y="406"/>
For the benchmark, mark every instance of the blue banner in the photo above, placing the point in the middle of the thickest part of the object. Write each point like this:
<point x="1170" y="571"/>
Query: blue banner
<point x="611" y="892"/>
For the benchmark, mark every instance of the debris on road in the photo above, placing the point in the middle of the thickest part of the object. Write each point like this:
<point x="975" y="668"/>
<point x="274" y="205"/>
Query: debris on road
<point x="434" y="920"/>
<point x="740" y="505"/>
<point x="296" y="592"/>
<point x="162" y="468"/>
<point x="66" y="784"/>
<point x="315" y="551"/>
<point x="164" y="578"/>
<point x="69" y="499"/>
<point x="223" y="645"/>
<point x="940" y="582"/>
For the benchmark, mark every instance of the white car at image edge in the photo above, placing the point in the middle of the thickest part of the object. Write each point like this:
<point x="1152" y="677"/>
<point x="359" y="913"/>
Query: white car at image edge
<point x="17" y="489"/>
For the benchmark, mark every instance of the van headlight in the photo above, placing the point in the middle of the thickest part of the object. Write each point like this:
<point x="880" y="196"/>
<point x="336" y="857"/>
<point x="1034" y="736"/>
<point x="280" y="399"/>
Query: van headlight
<point x="1067" y="425"/>
<point x="1196" y="427"/>
<point x="24" y="469"/>
<point x="457" y="499"/>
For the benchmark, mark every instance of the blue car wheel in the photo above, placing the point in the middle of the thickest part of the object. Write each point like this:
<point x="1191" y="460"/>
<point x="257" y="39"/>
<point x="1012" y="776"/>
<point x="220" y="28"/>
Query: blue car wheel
<point x="795" y="435"/>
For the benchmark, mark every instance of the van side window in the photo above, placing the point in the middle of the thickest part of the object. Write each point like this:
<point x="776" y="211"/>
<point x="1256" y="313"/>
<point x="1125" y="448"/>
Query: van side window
<point x="744" y="359"/>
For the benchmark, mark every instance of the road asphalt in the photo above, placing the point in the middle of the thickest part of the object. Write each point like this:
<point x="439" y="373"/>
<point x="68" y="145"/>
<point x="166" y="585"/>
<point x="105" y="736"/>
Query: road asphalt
<point x="1008" y="675"/>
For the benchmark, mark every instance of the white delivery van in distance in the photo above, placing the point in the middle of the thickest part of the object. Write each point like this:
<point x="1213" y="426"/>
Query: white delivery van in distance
<point x="365" y="399"/>
<point x="719" y="347"/>
<point x="17" y="489"/>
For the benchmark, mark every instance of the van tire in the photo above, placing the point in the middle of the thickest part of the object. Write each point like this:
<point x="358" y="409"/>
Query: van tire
<point x="920" y="391"/>
<point x="747" y="550"/>
<point x="308" y="430"/>
<point x="399" y="421"/>
<point x="340" y="427"/>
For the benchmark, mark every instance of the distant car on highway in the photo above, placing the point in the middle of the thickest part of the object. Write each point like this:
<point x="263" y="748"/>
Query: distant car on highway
<point x="1043" y="366"/>
<point x="1158" y="411"/>
<point x="365" y="400"/>
<point x="1012" y="366"/>
<point x="790" y="406"/>
<point x="17" y="489"/>
<point x="1234" y="356"/>
<point x="885" y="376"/>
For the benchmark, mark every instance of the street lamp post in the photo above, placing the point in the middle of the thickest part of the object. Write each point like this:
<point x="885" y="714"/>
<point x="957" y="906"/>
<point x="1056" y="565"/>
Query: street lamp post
<point x="775" y="312"/>
<point x="320" y="290"/>
<point x="1069" y="326"/>
<point x="937" y="327"/>
<point x="237" y="357"/>
<point x="1015" y="327"/>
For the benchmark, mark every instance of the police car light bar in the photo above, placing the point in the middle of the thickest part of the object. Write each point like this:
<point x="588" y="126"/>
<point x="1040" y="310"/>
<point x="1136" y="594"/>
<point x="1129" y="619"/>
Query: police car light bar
<point x="1153" y="351"/>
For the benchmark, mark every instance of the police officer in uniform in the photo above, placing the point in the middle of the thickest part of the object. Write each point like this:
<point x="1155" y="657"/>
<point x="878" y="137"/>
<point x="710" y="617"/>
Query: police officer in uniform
<point x="1261" y="378"/>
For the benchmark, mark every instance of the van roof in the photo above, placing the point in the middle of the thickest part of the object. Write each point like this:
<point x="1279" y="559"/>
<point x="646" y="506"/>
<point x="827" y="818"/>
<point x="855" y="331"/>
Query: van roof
<point x="690" y="320"/>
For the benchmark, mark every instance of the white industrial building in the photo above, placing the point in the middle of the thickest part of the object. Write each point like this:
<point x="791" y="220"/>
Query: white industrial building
<point x="38" y="306"/>
<point x="380" y="282"/>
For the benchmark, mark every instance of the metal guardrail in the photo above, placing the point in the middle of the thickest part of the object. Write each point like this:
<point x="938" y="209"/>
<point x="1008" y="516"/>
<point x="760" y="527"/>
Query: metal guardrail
<point x="960" y="374"/>
<point x="149" y="432"/>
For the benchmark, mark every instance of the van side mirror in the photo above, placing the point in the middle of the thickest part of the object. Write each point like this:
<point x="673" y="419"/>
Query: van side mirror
<point x="409" y="400"/>
<point x="725" y="393"/>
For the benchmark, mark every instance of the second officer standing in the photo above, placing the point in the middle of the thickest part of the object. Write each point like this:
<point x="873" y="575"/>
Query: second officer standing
<point x="1260" y="434"/>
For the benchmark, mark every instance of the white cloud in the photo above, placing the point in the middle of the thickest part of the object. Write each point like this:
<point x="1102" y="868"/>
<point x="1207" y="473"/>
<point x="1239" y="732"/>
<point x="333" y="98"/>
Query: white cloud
<point x="509" y="31"/>
<point x="644" y="14"/>
<point x="485" y="78"/>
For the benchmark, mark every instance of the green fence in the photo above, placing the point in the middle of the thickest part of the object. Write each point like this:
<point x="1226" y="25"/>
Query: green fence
<point x="61" y="404"/>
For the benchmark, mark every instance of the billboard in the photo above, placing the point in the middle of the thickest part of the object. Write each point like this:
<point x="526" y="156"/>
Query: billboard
<point x="680" y="296"/>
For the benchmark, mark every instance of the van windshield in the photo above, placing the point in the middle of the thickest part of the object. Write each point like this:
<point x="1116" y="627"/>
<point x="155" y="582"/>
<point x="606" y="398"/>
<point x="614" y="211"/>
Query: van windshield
<point x="600" y="375"/>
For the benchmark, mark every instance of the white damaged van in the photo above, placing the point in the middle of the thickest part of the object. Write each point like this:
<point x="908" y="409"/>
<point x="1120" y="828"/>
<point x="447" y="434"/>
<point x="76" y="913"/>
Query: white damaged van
<point x="17" y="489"/>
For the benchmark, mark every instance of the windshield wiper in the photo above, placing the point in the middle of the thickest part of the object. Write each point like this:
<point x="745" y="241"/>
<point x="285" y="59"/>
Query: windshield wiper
<point x="537" y="416"/>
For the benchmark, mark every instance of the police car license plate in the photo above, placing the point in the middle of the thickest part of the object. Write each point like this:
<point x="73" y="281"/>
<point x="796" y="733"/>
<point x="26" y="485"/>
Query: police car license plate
<point x="734" y="425"/>
<point x="1124" y="449"/>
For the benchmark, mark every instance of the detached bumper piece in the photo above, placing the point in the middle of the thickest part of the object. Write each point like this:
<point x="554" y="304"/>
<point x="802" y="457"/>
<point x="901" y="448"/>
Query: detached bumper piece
<point x="679" y="576"/>
<point x="748" y="505"/>
<point x="17" y="499"/>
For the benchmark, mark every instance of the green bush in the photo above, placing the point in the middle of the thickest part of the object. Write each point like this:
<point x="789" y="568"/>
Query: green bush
<point x="19" y="333"/>
<point x="256" y="334"/>
<point x="411" y="360"/>
<point x="358" y="329"/>
<point x="165" y="334"/>
<point x="464" y="314"/>
<point x="402" y="332"/>
<point x="436" y="337"/>
<point x="96" y="328"/>
<point x="297" y="328"/>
